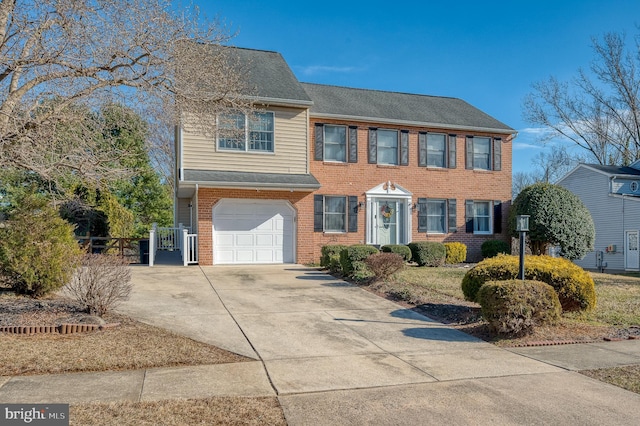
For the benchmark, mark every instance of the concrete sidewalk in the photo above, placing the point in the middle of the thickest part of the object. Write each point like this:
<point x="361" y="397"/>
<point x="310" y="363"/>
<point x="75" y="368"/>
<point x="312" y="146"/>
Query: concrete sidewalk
<point x="336" y="354"/>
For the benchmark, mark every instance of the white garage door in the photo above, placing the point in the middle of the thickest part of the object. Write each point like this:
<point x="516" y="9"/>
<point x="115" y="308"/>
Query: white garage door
<point x="253" y="231"/>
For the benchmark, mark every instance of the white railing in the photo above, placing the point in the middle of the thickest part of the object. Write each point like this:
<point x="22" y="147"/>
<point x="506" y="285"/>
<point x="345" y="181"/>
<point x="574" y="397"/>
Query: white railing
<point x="189" y="248"/>
<point x="173" y="239"/>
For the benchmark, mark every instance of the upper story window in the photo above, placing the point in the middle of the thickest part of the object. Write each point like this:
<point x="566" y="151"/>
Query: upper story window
<point x="436" y="150"/>
<point x="253" y="133"/>
<point x="388" y="147"/>
<point x="484" y="153"/>
<point x="335" y="143"/>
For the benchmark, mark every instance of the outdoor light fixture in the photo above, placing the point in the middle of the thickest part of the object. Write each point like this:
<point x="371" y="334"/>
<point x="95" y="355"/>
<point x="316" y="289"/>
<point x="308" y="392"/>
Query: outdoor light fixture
<point x="522" y="223"/>
<point x="522" y="226"/>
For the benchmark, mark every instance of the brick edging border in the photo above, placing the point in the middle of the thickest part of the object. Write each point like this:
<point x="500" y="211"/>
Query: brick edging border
<point x="572" y="342"/>
<point x="57" y="329"/>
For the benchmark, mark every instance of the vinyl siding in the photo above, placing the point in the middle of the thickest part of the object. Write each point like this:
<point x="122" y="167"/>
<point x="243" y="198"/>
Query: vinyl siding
<point x="183" y="215"/>
<point x="607" y="214"/>
<point x="290" y="153"/>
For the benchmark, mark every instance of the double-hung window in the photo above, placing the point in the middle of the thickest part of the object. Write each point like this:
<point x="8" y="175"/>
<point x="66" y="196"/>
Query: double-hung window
<point x="387" y="147"/>
<point x="335" y="214"/>
<point x="482" y="217"/>
<point x="436" y="150"/>
<point x="335" y="143"/>
<point x="436" y="216"/>
<point x="252" y="133"/>
<point x="482" y="153"/>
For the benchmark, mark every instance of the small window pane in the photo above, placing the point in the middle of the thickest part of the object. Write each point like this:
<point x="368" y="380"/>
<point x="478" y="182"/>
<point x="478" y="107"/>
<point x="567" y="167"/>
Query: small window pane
<point x="335" y="214"/>
<point x="436" y="211"/>
<point x="436" y="150"/>
<point x="482" y="153"/>
<point x="387" y="147"/>
<point x="335" y="143"/>
<point x="231" y="132"/>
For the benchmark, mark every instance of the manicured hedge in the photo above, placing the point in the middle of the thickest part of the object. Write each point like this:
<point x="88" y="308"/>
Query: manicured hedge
<point x="400" y="249"/>
<point x="330" y="256"/>
<point x="516" y="306"/>
<point x="575" y="287"/>
<point x="428" y="253"/>
<point x="352" y="260"/>
<point x="456" y="253"/>
<point x="492" y="248"/>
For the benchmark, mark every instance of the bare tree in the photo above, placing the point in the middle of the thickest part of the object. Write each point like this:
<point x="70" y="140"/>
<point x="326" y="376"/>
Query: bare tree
<point x="548" y="166"/>
<point x="62" y="58"/>
<point x="598" y="111"/>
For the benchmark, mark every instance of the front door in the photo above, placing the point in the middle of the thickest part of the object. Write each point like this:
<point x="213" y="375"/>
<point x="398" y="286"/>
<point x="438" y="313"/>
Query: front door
<point x="388" y="222"/>
<point x="631" y="250"/>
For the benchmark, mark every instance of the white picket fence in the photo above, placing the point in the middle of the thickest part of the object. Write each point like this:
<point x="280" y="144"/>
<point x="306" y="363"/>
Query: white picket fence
<point x="173" y="239"/>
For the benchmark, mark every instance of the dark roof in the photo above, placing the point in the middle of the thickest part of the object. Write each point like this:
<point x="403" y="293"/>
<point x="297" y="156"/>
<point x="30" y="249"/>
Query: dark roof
<point x="251" y="180"/>
<point x="268" y="73"/>
<point x="615" y="170"/>
<point x="374" y="105"/>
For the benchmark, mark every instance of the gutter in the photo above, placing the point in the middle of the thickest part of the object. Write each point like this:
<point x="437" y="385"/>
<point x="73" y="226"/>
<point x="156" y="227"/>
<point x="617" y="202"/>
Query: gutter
<point x="255" y="185"/>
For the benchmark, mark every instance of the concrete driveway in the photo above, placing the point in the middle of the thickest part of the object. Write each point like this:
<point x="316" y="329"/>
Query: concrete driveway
<point x="337" y="354"/>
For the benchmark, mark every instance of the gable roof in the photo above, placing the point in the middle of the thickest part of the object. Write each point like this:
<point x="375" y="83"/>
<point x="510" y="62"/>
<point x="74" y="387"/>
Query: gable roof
<point x="400" y="108"/>
<point x="619" y="171"/>
<point x="268" y="73"/>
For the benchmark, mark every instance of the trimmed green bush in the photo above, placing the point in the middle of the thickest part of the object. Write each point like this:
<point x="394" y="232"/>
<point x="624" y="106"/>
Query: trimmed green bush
<point x="428" y="253"/>
<point x="575" y="287"/>
<point x="492" y="248"/>
<point x="38" y="252"/>
<point x="384" y="265"/>
<point x="352" y="261"/>
<point x="456" y="253"/>
<point x="516" y="306"/>
<point x="330" y="256"/>
<point x="400" y="249"/>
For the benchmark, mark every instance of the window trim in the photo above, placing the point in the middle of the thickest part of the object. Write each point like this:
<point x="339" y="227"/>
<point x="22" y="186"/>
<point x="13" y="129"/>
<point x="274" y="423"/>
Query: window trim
<point x="247" y="134"/>
<point x="324" y="143"/>
<point x="489" y="154"/>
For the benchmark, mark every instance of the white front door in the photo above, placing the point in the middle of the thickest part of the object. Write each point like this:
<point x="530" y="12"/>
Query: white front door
<point x="388" y="221"/>
<point x="632" y="260"/>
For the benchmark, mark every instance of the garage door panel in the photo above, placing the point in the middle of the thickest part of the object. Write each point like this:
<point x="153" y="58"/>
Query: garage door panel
<point x="253" y="232"/>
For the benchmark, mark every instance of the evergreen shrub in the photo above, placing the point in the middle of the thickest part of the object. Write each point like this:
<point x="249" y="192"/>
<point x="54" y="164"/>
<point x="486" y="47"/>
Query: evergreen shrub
<point x="400" y="249"/>
<point x="456" y="253"/>
<point x="428" y="253"/>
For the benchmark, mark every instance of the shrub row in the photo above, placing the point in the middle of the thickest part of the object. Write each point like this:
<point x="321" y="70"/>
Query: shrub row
<point x="574" y="286"/>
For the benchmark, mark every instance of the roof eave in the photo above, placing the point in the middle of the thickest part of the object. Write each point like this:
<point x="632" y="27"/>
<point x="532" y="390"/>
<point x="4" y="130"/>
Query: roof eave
<point x="254" y="185"/>
<point x="281" y="102"/>
<point x="412" y="123"/>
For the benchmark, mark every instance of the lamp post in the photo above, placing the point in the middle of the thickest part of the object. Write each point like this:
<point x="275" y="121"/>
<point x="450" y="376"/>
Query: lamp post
<point x="522" y="226"/>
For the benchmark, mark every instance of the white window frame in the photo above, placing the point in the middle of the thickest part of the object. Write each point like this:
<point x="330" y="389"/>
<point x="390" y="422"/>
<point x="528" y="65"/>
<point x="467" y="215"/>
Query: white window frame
<point x="475" y="218"/>
<point x="430" y="153"/>
<point x="397" y="147"/>
<point x="489" y="154"/>
<point x="442" y="218"/>
<point x="248" y="132"/>
<point x="342" y="143"/>
<point x="343" y="214"/>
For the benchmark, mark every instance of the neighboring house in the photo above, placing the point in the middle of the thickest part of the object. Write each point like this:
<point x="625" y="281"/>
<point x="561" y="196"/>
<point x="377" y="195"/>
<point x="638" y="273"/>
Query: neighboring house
<point x="334" y="165"/>
<point x="612" y="195"/>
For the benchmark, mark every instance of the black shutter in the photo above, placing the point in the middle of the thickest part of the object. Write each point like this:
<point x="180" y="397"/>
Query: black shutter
<point x="422" y="149"/>
<point x="497" y="217"/>
<point x="451" y="211"/>
<point x="353" y="144"/>
<point x="452" y="151"/>
<point x="468" y="208"/>
<point x="469" y="151"/>
<point x="497" y="154"/>
<point x="318" y="213"/>
<point x="318" y="149"/>
<point x="404" y="148"/>
<point x="353" y="213"/>
<point x="373" y="145"/>
<point x="422" y="215"/>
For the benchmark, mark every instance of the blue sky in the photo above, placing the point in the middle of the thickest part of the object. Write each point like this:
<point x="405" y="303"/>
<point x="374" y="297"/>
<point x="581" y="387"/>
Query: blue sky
<point x="487" y="53"/>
